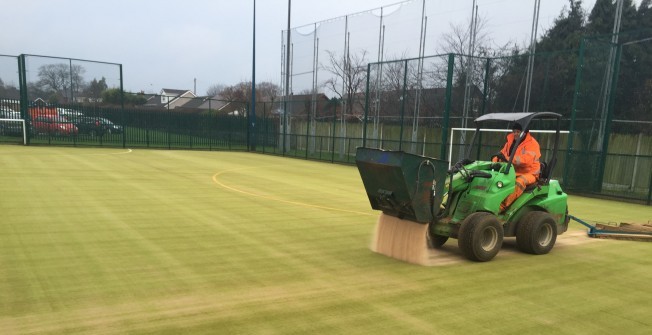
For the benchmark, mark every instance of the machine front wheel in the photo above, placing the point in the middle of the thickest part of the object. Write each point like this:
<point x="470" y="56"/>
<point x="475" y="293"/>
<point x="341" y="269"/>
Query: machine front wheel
<point x="536" y="233"/>
<point x="480" y="237"/>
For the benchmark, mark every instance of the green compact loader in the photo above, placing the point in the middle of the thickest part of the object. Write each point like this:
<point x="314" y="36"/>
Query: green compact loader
<point x="463" y="201"/>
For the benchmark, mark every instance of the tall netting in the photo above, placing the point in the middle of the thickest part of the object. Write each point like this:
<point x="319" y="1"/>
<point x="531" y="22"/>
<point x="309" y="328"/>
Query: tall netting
<point x="589" y="115"/>
<point x="328" y="61"/>
<point x="414" y="105"/>
<point x="552" y="90"/>
<point x="54" y="90"/>
<point x="9" y="82"/>
<point x="10" y="131"/>
<point x="612" y="149"/>
<point x="425" y="98"/>
<point x="364" y="80"/>
<point x="627" y="167"/>
<point x="407" y="104"/>
<point x="68" y="81"/>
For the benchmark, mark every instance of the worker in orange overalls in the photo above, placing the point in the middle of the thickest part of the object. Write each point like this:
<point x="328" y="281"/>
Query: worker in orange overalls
<point x="526" y="162"/>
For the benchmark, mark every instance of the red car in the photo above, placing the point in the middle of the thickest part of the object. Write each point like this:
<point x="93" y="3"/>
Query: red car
<point x="53" y="125"/>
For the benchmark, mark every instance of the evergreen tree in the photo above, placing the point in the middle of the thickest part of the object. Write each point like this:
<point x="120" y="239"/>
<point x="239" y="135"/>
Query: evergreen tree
<point x="554" y="69"/>
<point x="567" y="30"/>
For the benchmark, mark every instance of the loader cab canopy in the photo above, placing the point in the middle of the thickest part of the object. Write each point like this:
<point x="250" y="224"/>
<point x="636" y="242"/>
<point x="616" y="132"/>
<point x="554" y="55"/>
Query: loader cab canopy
<point x="524" y="120"/>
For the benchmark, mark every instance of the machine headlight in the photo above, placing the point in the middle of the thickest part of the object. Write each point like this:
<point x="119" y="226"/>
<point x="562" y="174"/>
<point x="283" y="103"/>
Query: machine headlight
<point x="499" y="184"/>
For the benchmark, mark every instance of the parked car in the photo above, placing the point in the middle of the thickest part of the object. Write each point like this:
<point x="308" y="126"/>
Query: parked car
<point x="66" y="112"/>
<point x="95" y="126"/>
<point x="9" y="127"/>
<point x="53" y="125"/>
<point x="110" y="127"/>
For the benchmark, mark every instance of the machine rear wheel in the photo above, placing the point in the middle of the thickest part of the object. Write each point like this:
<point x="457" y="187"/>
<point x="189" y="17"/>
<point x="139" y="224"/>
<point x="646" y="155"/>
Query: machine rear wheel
<point x="536" y="233"/>
<point x="480" y="236"/>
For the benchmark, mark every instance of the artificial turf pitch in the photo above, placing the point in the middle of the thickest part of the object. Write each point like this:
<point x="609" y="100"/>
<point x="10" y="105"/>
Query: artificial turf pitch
<point x="117" y="241"/>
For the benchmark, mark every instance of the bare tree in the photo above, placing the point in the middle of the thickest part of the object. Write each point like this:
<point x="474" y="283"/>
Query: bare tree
<point x="267" y="91"/>
<point x="215" y="89"/>
<point x="349" y="78"/>
<point x="240" y="93"/>
<point x="58" y="78"/>
<point x="456" y="41"/>
<point x="393" y="83"/>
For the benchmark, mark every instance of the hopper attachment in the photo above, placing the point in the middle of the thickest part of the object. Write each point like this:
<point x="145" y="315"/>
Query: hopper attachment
<point x="406" y="186"/>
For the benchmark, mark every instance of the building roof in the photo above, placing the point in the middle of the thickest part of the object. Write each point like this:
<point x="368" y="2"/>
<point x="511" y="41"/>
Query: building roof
<point x="169" y="91"/>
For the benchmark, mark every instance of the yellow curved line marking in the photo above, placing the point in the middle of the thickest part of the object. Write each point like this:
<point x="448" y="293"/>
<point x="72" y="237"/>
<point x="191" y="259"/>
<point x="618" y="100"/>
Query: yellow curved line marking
<point x="127" y="152"/>
<point x="105" y="154"/>
<point x="216" y="180"/>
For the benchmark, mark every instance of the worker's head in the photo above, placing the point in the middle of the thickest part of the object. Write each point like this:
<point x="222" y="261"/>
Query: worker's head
<point x="517" y="128"/>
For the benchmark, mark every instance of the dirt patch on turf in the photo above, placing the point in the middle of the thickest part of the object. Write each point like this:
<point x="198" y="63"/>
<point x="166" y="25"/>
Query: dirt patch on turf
<point x="406" y="241"/>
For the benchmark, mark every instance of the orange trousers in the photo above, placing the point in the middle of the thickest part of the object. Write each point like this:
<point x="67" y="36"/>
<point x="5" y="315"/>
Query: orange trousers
<point x="522" y="181"/>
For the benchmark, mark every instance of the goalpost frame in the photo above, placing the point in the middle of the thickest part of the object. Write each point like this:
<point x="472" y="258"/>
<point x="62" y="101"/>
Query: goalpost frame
<point x="22" y="121"/>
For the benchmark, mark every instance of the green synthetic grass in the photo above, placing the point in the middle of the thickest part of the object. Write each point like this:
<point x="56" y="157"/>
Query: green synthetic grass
<point x="116" y="241"/>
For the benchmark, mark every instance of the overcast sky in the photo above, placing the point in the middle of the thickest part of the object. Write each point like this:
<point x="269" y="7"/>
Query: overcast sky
<point x="167" y="44"/>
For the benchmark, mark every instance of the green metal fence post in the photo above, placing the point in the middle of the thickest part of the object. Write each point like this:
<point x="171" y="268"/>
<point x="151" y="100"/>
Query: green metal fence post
<point x="485" y="91"/>
<point x="169" y="124"/>
<point x="248" y="142"/>
<point x="610" y="113"/>
<point x="571" y="134"/>
<point x="649" y="191"/>
<point x="545" y="84"/>
<point x="312" y="101"/>
<point x="24" y="111"/>
<point x="400" y="139"/>
<point x="333" y="134"/>
<point x="72" y="96"/>
<point x="447" y="104"/>
<point x="285" y="125"/>
<point x="122" y="111"/>
<point x="366" y="109"/>
<point x="265" y="126"/>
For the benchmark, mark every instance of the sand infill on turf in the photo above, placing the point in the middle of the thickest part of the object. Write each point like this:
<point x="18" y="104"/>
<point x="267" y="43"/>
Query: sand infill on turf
<point x="406" y="241"/>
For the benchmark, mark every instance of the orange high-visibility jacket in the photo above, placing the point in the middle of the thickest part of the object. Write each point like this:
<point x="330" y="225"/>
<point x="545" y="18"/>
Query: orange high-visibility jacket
<point x="527" y="155"/>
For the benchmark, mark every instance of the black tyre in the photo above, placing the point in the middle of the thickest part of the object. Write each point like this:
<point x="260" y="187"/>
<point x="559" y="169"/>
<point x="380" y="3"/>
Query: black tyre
<point x="480" y="236"/>
<point x="536" y="233"/>
<point x="435" y="241"/>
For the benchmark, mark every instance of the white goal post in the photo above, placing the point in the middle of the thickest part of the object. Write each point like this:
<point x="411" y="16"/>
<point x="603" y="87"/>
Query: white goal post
<point x="453" y="130"/>
<point x="13" y="127"/>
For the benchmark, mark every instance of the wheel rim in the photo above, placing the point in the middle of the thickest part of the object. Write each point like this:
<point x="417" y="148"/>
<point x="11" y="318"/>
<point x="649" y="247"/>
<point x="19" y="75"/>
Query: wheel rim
<point x="489" y="239"/>
<point x="545" y="235"/>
